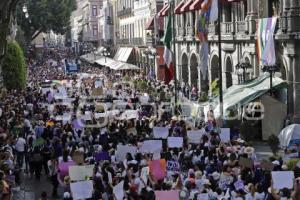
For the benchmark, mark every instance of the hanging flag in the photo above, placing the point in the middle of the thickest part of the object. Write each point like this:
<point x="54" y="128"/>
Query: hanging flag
<point x="167" y="52"/>
<point x="265" y="41"/>
<point x="269" y="56"/>
<point x="213" y="11"/>
<point x="204" y="59"/>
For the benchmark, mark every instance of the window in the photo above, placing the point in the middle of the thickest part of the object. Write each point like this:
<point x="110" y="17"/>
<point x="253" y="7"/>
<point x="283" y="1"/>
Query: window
<point x="95" y="30"/>
<point x="94" y="10"/>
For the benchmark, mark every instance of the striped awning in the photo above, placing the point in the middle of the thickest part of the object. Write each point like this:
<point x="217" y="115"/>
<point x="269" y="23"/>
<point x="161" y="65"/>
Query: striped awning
<point x="178" y="7"/>
<point x="164" y="11"/>
<point x="196" y="5"/>
<point x="186" y="6"/>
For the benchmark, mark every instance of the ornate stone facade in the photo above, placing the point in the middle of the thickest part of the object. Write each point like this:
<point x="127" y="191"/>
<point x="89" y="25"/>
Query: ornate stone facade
<point x="238" y="35"/>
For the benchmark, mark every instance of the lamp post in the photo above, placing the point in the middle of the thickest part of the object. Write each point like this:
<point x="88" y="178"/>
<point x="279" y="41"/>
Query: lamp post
<point x="105" y="53"/>
<point x="242" y="68"/>
<point x="147" y="52"/>
<point x="271" y="69"/>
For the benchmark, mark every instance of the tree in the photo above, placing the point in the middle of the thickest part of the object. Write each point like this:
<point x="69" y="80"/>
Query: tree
<point x="13" y="68"/>
<point x="46" y="15"/>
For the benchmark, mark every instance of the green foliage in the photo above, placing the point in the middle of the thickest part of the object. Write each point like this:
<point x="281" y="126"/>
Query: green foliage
<point x="203" y="97"/>
<point x="46" y="15"/>
<point x="14" y="69"/>
<point x="273" y="142"/>
<point x="142" y="86"/>
<point x="215" y="87"/>
<point x="126" y="78"/>
<point x="291" y="163"/>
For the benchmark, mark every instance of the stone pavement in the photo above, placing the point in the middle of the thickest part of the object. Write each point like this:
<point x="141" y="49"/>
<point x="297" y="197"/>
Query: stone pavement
<point x="31" y="188"/>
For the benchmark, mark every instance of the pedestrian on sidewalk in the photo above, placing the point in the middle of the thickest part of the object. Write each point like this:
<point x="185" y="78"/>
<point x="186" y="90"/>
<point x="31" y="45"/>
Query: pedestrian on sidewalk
<point x="20" y="149"/>
<point x="53" y="171"/>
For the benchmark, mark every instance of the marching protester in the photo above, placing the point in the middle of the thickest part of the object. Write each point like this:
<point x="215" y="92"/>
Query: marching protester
<point x="98" y="138"/>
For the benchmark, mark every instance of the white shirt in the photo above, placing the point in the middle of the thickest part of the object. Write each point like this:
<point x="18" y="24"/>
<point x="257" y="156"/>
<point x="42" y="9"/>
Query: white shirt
<point x="20" y="144"/>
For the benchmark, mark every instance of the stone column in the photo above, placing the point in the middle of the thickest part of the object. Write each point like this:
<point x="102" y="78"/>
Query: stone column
<point x="252" y="15"/>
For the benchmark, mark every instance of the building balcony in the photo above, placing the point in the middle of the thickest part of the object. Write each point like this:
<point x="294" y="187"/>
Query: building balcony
<point x="150" y="41"/>
<point x="190" y="31"/>
<point x="137" y="41"/>
<point x="124" y="12"/>
<point x="212" y="29"/>
<point x="242" y="27"/>
<point x="124" y="41"/>
<point x="227" y="28"/>
<point x="180" y="32"/>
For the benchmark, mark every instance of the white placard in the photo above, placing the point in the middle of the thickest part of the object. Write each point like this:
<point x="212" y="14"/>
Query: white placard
<point x="119" y="191"/>
<point x="45" y="90"/>
<point x="82" y="190"/>
<point x="175" y="142"/>
<point x="144" y="174"/>
<point x="129" y="114"/>
<point x="225" y="134"/>
<point x="283" y="179"/>
<point x="195" y="136"/>
<point x="62" y="91"/>
<point x="100" y="115"/>
<point x="151" y="146"/>
<point x="79" y="173"/>
<point x="98" y="84"/>
<point x="122" y="150"/>
<point x="202" y="196"/>
<point x="160" y="132"/>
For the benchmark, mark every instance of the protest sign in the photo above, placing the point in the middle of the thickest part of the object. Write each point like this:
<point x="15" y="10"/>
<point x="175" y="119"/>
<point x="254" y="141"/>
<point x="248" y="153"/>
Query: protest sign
<point x="129" y="114"/>
<point x="119" y="191"/>
<point x="239" y="185"/>
<point x="175" y="142"/>
<point x="158" y="169"/>
<point x="145" y="174"/>
<point x="78" y="157"/>
<point x="202" y="196"/>
<point x="160" y="132"/>
<point x="64" y="168"/>
<point x="82" y="190"/>
<point x="151" y="146"/>
<point x="103" y="155"/>
<point x="283" y="179"/>
<point x="98" y="84"/>
<point x="80" y="173"/>
<point x="225" y="134"/>
<point x="195" y="136"/>
<point x="122" y="150"/>
<point x="245" y="162"/>
<point x="163" y="195"/>
<point x="173" y="166"/>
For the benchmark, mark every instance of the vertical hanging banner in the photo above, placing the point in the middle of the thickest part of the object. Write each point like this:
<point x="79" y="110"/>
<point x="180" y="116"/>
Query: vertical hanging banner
<point x="265" y="41"/>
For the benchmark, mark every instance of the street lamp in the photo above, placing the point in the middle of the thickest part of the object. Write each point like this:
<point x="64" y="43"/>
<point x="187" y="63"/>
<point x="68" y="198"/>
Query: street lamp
<point x="242" y="68"/>
<point x="24" y="9"/>
<point x="105" y="53"/>
<point x="271" y="69"/>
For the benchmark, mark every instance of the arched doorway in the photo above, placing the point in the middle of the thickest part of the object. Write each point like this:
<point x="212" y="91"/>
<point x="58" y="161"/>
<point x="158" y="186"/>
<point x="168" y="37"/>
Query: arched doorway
<point x="184" y="68"/>
<point x="194" y="70"/>
<point x="204" y="83"/>
<point x="214" y="68"/>
<point x="228" y="72"/>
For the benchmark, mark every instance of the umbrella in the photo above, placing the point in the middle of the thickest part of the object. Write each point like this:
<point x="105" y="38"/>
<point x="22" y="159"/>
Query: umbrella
<point x="289" y="135"/>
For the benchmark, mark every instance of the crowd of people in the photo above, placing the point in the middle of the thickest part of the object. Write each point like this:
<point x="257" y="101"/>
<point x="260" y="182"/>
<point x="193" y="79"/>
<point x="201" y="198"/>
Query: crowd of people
<point x="35" y="141"/>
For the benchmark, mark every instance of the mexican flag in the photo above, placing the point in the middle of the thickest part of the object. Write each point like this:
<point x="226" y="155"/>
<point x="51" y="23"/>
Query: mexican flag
<point x="168" y="53"/>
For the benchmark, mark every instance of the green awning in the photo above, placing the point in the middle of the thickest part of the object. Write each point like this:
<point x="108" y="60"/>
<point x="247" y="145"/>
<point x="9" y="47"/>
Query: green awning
<point x="240" y="95"/>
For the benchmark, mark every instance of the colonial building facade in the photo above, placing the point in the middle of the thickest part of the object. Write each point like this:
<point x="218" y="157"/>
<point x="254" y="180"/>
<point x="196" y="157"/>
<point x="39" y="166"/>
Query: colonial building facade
<point x="238" y="36"/>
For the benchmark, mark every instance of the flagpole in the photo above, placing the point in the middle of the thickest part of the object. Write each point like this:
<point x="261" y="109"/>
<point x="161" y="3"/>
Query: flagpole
<point x="220" y="63"/>
<point x="172" y="6"/>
